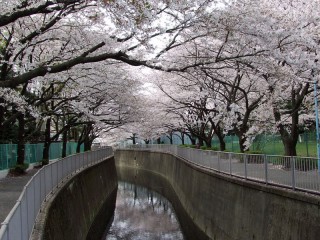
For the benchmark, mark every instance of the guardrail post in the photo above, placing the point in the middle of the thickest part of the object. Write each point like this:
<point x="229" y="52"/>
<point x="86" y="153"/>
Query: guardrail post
<point x="293" y="179"/>
<point x="230" y="167"/>
<point x="20" y="208"/>
<point x="266" y="168"/>
<point x="245" y="166"/>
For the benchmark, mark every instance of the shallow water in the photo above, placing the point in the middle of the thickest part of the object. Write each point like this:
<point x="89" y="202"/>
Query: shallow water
<point x="143" y="214"/>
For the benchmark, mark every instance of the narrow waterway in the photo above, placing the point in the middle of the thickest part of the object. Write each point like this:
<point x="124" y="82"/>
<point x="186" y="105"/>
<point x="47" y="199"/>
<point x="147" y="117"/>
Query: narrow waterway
<point x="143" y="214"/>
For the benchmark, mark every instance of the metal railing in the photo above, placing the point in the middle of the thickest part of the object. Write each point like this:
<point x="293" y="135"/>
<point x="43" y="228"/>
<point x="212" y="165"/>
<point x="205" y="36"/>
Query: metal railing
<point x="298" y="173"/>
<point x="20" y="221"/>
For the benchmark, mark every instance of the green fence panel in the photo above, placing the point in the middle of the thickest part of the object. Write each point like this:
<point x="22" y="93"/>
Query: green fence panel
<point x="82" y="148"/>
<point x="8" y="155"/>
<point x="270" y="144"/>
<point x="71" y="148"/>
<point x="55" y="150"/>
<point x="3" y="157"/>
<point x="33" y="152"/>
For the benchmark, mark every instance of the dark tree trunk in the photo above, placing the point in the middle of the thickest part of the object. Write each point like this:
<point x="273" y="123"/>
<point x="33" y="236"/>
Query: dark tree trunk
<point x="290" y="137"/>
<point x="78" y="150"/>
<point x="170" y="137"/>
<point x="81" y="139"/>
<point x="21" y="143"/>
<point x="289" y="150"/>
<point x="158" y="140"/>
<point x="220" y="135"/>
<point x="64" y="143"/>
<point x="182" y="138"/>
<point x="87" y="141"/>
<point x="242" y="140"/>
<point x="222" y="143"/>
<point x="201" y="143"/>
<point x="208" y="143"/>
<point x="87" y="144"/>
<point x="47" y="142"/>
<point x="290" y="147"/>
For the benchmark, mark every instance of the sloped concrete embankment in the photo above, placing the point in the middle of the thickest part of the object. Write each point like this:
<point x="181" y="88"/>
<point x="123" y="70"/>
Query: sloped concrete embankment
<point x="81" y="209"/>
<point x="228" y="208"/>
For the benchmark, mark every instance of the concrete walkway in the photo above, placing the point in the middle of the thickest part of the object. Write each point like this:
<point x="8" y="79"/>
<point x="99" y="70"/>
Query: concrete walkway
<point x="10" y="190"/>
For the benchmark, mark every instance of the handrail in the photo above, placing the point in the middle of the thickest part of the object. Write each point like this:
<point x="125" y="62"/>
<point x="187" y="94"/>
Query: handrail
<point x="297" y="173"/>
<point x="20" y="221"/>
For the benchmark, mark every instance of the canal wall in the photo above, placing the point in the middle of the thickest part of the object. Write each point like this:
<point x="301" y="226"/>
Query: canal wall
<point x="82" y="207"/>
<point x="230" y="208"/>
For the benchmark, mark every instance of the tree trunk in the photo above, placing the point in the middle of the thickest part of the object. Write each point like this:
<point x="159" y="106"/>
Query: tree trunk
<point x="21" y="143"/>
<point x="64" y="143"/>
<point x="221" y="141"/>
<point x="289" y="147"/>
<point x="78" y="150"/>
<point x="47" y="142"/>
<point x="201" y="142"/>
<point x="158" y="140"/>
<point x="182" y="138"/>
<point x="81" y="139"/>
<point x="87" y="141"/>
<point x="222" y="145"/>
<point x="87" y="144"/>
<point x="290" y="139"/>
<point x="289" y="150"/>
<point x="208" y="143"/>
<point x="193" y="140"/>
<point x="242" y="140"/>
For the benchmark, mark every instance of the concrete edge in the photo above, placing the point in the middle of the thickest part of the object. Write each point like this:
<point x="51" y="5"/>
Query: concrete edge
<point x="268" y="188"/>
<point x="39" y="224"/>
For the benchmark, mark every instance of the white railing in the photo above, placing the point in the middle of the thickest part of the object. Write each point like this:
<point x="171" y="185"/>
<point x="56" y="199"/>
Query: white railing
<point x="20" y="221"/>
<point x="298" y="173"/>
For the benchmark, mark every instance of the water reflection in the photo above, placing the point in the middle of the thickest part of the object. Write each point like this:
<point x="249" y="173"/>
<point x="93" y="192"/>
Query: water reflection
<point x="143" y="214"/>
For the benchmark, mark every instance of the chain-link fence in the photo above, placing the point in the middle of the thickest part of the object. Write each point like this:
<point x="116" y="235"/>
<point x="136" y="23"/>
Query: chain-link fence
<point x="265" y="143"/>
<point x="33" y="153"/>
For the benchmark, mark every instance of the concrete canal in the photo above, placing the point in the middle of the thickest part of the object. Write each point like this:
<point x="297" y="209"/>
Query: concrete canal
<point x="207" y="205"/>
<point x="148" y="208"/>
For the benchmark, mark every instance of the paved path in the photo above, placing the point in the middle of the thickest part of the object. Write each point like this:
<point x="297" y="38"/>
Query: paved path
<point x="10" y="190"/>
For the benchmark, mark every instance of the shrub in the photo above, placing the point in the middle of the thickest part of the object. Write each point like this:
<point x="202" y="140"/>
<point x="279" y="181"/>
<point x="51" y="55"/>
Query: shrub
<point x="215" y="149"/>
<point x="19" y="168"/>
<point x="45" y="161"/>
<point x="185" y="145"/>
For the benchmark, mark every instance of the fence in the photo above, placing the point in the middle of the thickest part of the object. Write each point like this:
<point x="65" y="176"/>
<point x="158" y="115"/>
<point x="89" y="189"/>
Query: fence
<point x="266" y="143"/>
<point x="298" y="173"/>
<point x="20" y="221"/>
<point x="33" y="153"/>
